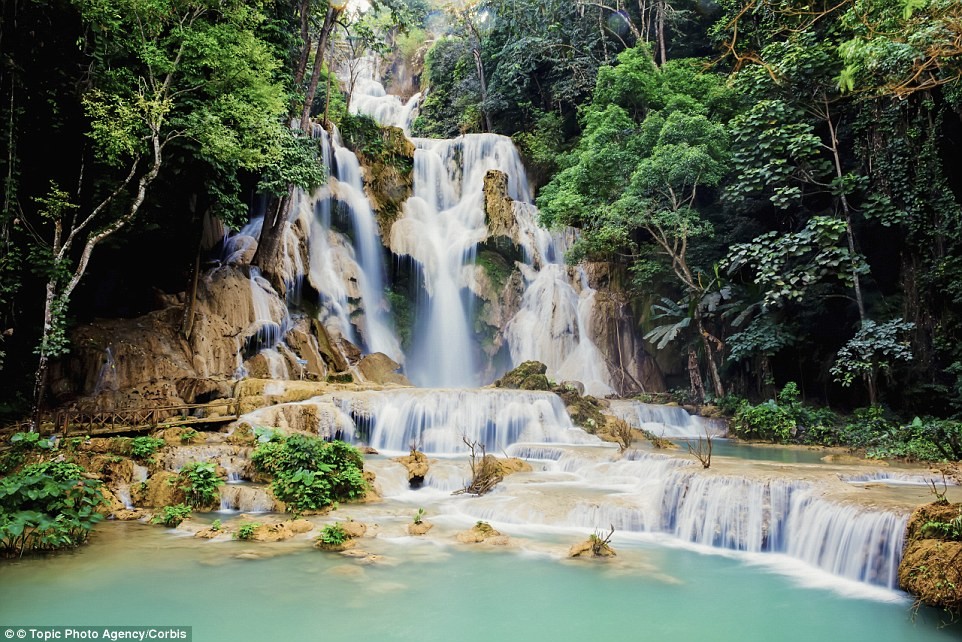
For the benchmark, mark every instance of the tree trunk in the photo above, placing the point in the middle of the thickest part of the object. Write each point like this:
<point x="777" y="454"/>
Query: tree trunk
<point x="660" y="28"/>
<point x="484" y="89"/>
<point x="694" y="376"/>
<point x="270" y="245"/>
<point x="305" y="11"/>
<point x="43" y="365"/>
<point x="322" y="37"/>
<point x="710" y="357"/>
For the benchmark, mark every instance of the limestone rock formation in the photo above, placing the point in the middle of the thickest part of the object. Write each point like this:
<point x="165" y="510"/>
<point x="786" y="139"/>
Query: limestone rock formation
<point x="417" y="466"/>
<point x="382" y="369"/>
<point x="931" y="566"/>
<point x="614" y="331"/>
<point x="482" y="532"/>
<point x="149" y="362"/>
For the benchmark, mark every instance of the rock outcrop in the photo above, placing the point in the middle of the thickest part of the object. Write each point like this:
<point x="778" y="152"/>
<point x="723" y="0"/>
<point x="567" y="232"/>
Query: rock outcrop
<point x="931" y="566"/>
<point x="530" y="375"/>
<point x="149" y="362"/>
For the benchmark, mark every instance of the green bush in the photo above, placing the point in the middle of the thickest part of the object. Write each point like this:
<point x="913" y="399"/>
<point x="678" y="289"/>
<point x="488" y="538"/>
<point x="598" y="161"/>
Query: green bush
<point x="246" y="531"/>
<point x="333" y="535"/>
<point x="172" y="516"/>
<point x="187" y="436"/>
<point x="144" y="447"/>
<point x="199" y="481"/>
<point x="47" y="506"/>
<point x="23" y="447"/>
<point x="309" y="474"/>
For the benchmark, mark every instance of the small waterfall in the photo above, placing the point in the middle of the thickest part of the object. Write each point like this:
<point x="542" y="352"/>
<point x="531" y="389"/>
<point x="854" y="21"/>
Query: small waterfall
<point x="672" y="422"/>
<point x="436" y="420"/>
<point x="246" y="498"/>
<point x="376" y="327"/>
<point x="107" y="376"/>
<point x="122" y="492"/>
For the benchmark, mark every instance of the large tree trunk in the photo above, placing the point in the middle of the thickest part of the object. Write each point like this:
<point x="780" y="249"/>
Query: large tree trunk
<point x="326" y="29"/>
<point x="268" y="256"/>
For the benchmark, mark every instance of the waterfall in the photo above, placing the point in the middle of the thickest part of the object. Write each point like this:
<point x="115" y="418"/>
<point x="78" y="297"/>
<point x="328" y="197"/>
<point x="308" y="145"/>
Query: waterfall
<point x="438" y="420"/>
<point x="349" y="189"/>
<point x="443" y="223"/>
<point x="672" y="422"/>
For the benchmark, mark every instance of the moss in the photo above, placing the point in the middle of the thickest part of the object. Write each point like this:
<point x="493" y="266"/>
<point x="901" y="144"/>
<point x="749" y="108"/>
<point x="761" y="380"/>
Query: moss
<point x="530" y="375"/>
<point x="931" y="566"/>
<point x="345" y="377"/>
<point x="496" y="267"/>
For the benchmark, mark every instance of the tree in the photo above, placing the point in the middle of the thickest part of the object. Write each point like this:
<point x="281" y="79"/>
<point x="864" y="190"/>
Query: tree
<point x="165" y="74"/>
<point x="652" y="143"/>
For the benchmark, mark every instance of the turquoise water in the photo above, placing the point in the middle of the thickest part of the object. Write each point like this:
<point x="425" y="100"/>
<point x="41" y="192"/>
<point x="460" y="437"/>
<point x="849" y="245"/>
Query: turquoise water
<point x="423" y="590"/>
<point x="752" y="452"/>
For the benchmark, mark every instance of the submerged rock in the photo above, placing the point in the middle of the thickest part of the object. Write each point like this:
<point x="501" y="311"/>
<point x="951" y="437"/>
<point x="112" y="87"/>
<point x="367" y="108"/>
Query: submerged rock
<point x="482" y="532"/>
<point x="417" y="466"/>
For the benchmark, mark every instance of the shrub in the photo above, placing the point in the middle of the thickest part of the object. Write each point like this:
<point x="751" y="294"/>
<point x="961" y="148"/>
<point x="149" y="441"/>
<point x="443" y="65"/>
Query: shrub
<point x="246" y="531"/>
<point x="310" y="474"/>
<point x="24" y="446"/>
<point x="215" y="525"/>
<point x="419" y="516"/>
<point x="172" y="516"/>
<point x="333" y="535"/>
<point x="144" y="447"/>
<point x="47" y="506"/>
<point x="199" y="481"/>
<point x="187" y="436"/>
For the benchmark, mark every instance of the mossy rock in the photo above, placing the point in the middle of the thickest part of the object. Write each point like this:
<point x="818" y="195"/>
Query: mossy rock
<point x="931" y="566"/>
<point x="530" y="375"/>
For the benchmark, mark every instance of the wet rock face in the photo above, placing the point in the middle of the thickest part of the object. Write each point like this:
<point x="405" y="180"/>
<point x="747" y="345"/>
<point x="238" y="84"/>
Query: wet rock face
<point x="931" y="566"/>
<point x="147" y="362"/>
<point x="381" y="369"/>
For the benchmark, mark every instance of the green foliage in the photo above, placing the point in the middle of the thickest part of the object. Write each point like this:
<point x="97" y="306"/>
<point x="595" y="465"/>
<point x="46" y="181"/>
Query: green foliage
<point x="785" y="266"/>
<point x="47" y="506"/>
<point x="310" y="474"/>
<point x="188" y="435"/>
<point x="172" y="516"/>
<point x="145" y="447"/>
<point x="451" y="106"/>
<point x="246" y="531"/>
<point x="24" y="446"/>
<point x="875" y="348"/>
<point x="216" y="525"/>
<point x="419" y="516"/>
<point x="951" y="530"/>
<point x="199" y="481"/>
<point x="333" y="535"/>
<point x="30" y="441"/>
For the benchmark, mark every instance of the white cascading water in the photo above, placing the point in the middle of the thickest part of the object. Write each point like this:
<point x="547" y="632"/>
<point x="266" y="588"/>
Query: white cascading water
<point x="438" y="421"/>
<point x="671" y="422"/>
<point x="349" y="189"/>
<point x="443" y="223"/>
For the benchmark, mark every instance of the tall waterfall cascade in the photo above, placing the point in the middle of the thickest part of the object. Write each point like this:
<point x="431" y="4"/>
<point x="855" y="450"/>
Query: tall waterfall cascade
<point x="441" y="229"/>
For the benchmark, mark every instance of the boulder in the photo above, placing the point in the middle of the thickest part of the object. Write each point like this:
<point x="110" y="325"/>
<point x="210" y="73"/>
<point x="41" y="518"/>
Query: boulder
<point x="931" y="566"/>
<point x="421" y="528"/>
<point x="161" y="489"/>
<point x="382" y="369"/>
<point x="417" y="467"/>
<point x="482" y="532"/>
<point x="530" y="375"/>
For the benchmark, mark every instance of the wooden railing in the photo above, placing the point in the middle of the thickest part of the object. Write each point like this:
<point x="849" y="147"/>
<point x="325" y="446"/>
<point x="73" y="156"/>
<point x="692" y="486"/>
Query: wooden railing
<point x="92" y="419"/>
